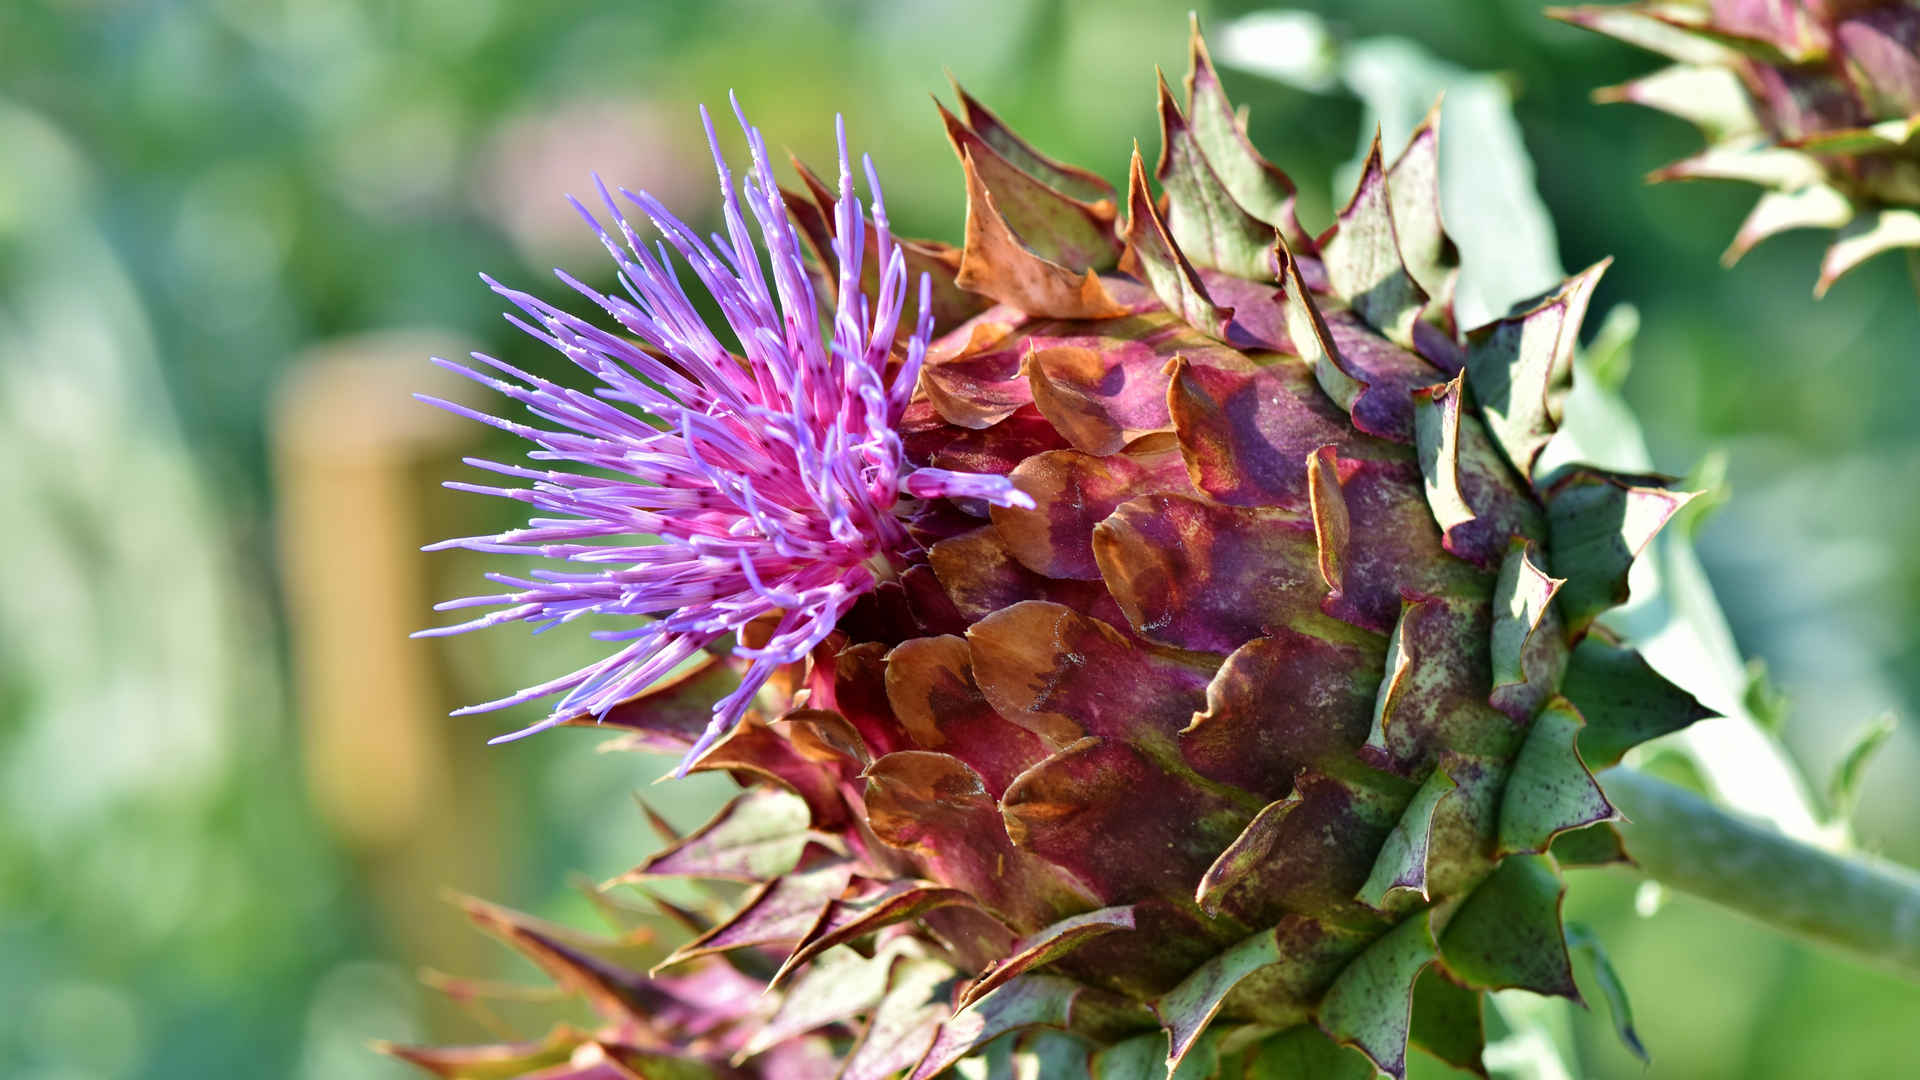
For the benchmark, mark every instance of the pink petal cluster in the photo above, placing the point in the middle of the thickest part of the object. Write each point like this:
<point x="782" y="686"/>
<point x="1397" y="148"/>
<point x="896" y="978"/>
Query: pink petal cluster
<point x="699" y="487"/>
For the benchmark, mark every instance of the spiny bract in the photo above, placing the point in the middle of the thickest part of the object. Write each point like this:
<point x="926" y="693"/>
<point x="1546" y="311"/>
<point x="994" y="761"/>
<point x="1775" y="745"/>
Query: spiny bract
<point x="1816" y="100"/>
<point x="1261" y="736"/>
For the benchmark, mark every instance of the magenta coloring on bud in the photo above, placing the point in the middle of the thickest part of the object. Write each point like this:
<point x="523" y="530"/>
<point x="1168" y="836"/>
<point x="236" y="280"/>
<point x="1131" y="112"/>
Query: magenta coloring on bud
<point x="697" y="490"/>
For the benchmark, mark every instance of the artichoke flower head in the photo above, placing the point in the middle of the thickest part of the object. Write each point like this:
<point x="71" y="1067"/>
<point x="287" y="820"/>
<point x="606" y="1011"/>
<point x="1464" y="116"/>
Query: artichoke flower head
<point x="1818" y="101"/>
<point x="1146" y="635"/>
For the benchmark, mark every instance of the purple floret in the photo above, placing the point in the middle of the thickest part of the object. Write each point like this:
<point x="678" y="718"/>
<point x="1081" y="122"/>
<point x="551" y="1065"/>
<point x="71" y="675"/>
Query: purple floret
<point x="717" y="488"/>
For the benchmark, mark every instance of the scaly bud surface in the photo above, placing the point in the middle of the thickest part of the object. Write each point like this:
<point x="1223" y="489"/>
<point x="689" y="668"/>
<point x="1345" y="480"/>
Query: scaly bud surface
<point x="1232" y="706"/>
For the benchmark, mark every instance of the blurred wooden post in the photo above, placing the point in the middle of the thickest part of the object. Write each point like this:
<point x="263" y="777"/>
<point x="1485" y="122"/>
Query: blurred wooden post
<point x="356" y="458"/>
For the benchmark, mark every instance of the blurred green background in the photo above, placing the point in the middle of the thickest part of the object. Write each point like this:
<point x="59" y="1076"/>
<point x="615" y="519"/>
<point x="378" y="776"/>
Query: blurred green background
<point x="231" y="231"/>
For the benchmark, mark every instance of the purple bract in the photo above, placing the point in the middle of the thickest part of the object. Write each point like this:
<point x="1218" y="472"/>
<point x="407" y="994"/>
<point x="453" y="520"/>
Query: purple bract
<point x="699" y="489"/>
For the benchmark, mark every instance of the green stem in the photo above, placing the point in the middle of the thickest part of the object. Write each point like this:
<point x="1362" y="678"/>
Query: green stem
<point x="1867" y="907"/>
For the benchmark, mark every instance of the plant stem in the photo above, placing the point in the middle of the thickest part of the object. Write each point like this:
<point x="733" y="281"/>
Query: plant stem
<point x="1867" y="907"/>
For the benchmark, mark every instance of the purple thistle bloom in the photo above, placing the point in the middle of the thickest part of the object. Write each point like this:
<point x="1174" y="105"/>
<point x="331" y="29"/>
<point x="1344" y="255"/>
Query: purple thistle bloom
<point x="717" y="488"/>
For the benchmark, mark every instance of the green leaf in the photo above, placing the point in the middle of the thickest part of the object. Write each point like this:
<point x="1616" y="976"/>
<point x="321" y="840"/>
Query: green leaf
<point x="1521" y="596"/>
<point x="778" y="912"/>
<point x="1751" y="162"/>
<point x="1024" y="1002"/>
<point x="1709" y="97"/>
<point x="600" y="971"/>
<point x="1305" y="1053"/>
<point x="1069" y="180"/>
<point x="756" y="836"/>
<point x="998" y="261"/>
<point x="1436" y="438"/>
<point x="1843" y="791"/>
<point x="905" y="1022"/>
<point x="1884" y="137"/>
<point x="1413" y="191"/>
<point x="1061" y="229"/>
<point x="1370" y="1005"/>
<point x="1042" y="1053"/>
<point x="1255" y="183"/>
<point x="496" y="1062"/>
<point x="1867" y="236"/>
<point x="1144" y="1057"/>
<point x="1816" y="207"/>
<point x="1599" y="523"/>
<point x="1153" y="256"/>
<point x="1625" y="702"/>
<point x="1208" y="225"/>
<point x="1707" y="26"/>
<point x="994" y="1061"/>
<point x="1635" y="26"/>
<point x="1402" y="863"/>
<point x="1550" y="790"/>
<point x="1307" y="329"/>
<point x="1504" y="231"/>
<point x="1363" y="259"/>
<point x="1475" y="498"/>
<point x="1394" y="684"/>
<point x="1520" y="364"/>
<point x="1507" y="934"/>
<point x="1245" y="856"/>
<point x="1141" y="1057"/>
<point x="1595" y="845"/>
<point x="1045" y="945"/>
<point x="1189" y="1007"/>
<point x="837" y="986"/>
<point x="844" y="921"/>
<point x="1584" y="942"/>
<point x="1447" y="1022"/>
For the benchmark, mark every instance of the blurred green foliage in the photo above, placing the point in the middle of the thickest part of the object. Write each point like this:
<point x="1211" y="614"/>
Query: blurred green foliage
<point x="192" y="192"/>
